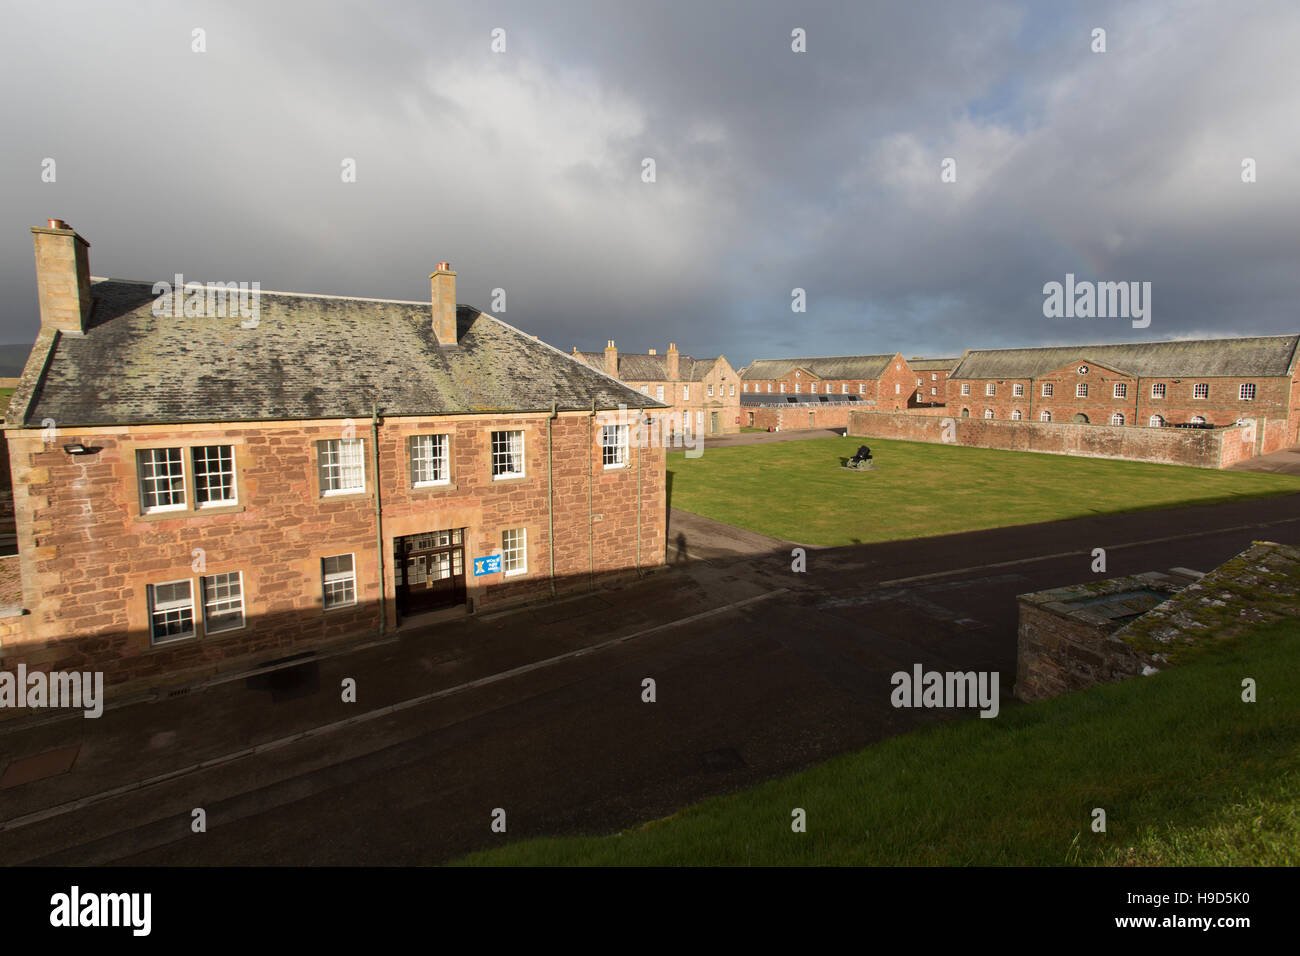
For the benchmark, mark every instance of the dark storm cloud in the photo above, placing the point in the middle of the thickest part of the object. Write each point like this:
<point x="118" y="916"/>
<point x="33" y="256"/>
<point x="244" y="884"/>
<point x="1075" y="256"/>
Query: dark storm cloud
<point x="775" y="169"/>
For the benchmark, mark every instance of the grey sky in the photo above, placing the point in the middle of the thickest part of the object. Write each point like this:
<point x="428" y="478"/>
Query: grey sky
<point x="775" y="169"/>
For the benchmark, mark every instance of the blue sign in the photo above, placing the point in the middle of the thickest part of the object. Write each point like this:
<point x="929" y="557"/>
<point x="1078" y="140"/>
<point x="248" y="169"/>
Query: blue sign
<point x="489" y="565"/>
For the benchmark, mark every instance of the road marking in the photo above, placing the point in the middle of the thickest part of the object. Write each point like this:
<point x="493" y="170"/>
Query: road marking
<point x="83" y="802"/>
<point x="1075" y="554"/>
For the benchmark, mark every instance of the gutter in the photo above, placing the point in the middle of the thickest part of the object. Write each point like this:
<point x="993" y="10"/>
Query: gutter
<point x="550" y="492"/>
<point x="379" y="519"/>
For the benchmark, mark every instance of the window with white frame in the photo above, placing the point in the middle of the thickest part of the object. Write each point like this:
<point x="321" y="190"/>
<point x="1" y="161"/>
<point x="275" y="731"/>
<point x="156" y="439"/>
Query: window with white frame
<point x="710" y="391"/>
<point x="990" y="389"/>
<point x="798" y="387"/>
<point x="934" y="376"/>
<point x="162" y="478"/>
<point x="1117" y="418"/>
<point x="699" y="420"/>
<point x="686" y="393"/>
<point x="1015" y="415"/>
<point x="898" y="388"/>
<point x="514" y="550"/>
<point x="934" y="390"/>
<point x="645" y="390"/>
<point x="988" y="413"/>
<point x="342" y="466"/>
<point x="783" y="388"/>
<point x="214" y="475"/>
<point x="1198" y="420"/>
<point x="429" y="460"/>
<point x="862" y="388"/>
<point x="965" y="388"/>
<point x="1045" y="416"/>
<point x="813" y="388"/>
<point x="223" y="602"/>
<point x="1121" y="390"/>
<point x="659" y="393"/>
<point x="1048" y="389"/>
<point x="1156" y="421"/>
<point x="507" y="454"/>
<point x="1247" y="392"/>
<point x="171" y="611"/>
<point x="613" y="445"/>
<point x="1081" y="390"/>
<point x="744" y="387"/>
<point x="1158" y="390"/>
<point x="1201" y="390"/>
<point x="1018" y="390"/>
<point x="844" y="389"/>
<point x="338" y="581"/>
<point x="732" y="392"/>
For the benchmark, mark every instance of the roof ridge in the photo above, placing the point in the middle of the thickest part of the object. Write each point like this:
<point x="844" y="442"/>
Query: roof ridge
<point x="298" y="295"/>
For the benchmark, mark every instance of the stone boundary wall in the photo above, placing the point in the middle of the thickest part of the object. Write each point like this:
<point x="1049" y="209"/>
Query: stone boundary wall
<point x="1197" y="447"/>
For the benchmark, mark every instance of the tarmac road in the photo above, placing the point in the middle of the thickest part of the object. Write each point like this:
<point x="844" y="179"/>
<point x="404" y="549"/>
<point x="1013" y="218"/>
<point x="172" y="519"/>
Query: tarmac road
<point x="759" y="672"/>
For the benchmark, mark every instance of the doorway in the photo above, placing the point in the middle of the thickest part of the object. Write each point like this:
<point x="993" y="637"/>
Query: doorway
<point x="429" y="571"/>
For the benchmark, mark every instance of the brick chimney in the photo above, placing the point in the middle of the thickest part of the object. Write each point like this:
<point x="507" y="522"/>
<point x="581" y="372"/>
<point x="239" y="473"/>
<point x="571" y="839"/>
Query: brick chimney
<point x="653" y="352"/>
<point x="611" y="359"/>
<point x="62" y="277"/>
<point x="671" y="355"/>
<point x="443" y="282"/>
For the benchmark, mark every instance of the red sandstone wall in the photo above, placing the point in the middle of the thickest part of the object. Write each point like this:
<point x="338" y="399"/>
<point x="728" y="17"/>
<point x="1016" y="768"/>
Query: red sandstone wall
<point x="1202" y="448"/>
<point x="88" y="553"/>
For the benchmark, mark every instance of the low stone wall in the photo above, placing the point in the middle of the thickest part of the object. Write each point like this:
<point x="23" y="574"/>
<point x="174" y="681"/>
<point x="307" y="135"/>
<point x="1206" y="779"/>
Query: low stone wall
<point x="790" y="417"/>
<point x="1197" y="447"/>
<point x="1066" y="636"/>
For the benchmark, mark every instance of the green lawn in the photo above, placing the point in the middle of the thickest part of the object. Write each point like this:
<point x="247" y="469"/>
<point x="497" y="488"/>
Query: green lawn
<point x="796" y="490"/>
<point x="1187" y="773"/>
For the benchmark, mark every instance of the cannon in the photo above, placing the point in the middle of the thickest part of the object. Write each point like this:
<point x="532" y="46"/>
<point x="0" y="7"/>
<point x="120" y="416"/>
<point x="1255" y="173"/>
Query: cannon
<point x="861" y="461"/>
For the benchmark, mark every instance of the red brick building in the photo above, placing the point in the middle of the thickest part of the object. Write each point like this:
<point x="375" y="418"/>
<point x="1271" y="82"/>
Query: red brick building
<point x="199" y="492"/>
<point x="887" y="382"/>
<point x="932" y="379"/>
<point x="703" y="395"/>
<point x="1205" y="382"/>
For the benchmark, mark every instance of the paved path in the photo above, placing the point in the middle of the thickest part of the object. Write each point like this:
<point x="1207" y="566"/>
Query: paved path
<point x="693" y="537"/>
<point x="1285" y="462"/>
<point x="759" y="672"/>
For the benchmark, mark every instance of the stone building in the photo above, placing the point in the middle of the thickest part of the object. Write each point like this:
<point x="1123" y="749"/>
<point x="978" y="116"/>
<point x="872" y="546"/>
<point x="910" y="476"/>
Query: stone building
<point x="1202" y="382"/>
<point x="885" y="382"/>
<point x="932" y="379"/>
<point x="703" y="395"/>
<point x="195" y="491"/>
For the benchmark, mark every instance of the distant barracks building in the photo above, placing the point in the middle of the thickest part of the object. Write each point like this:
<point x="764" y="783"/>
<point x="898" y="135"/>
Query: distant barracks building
<point x="819" y="392"/>
<point x="702" y="394"/>
<point x="1198" y="383"/>
<point x="195" y="493"/>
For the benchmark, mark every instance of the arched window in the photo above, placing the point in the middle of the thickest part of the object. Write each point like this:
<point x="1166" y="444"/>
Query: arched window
<point x="1045" y="417"/>
<point x="1198" y="420"/>
<point x="1117" y="418"/>
<point x="1015" y="415"/>
<point x="965" y="413"/>
<point x="1156" y="421"/>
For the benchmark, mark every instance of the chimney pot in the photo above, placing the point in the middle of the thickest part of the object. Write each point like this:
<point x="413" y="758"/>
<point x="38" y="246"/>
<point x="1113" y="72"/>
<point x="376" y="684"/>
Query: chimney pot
<point x="611" y="359"/>
<point x="58" y="224"/>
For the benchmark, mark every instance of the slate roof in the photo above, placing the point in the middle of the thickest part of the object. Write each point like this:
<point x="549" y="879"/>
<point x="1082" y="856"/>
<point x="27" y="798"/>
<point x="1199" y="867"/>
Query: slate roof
<point x="643" y="367"/>
<point x="309" y="357"/>
<point x="835" y="367"/>
<point x="1263" y="356"/>
<point x="932" y="365"/>
<point x="763" y="398"/>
